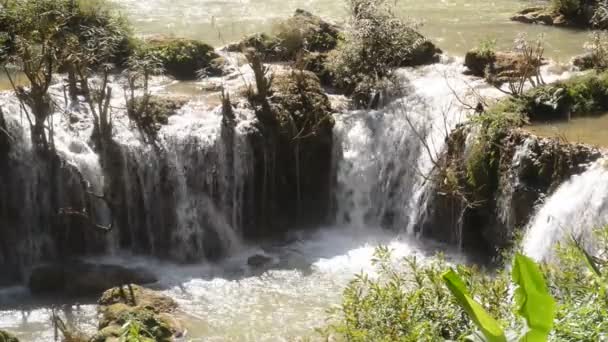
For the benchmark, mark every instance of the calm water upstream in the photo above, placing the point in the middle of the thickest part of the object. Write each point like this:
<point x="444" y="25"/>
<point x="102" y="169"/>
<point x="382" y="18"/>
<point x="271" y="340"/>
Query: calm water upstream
<point x="455" y="25"/>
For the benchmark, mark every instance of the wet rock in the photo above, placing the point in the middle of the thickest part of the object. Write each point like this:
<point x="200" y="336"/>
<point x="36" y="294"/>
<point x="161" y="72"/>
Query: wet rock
<point x="584" y="62"/>
<point x="259" y="260"/>
<point x="135" y="295"/>
<point x="6" y="337"/>
<point x="84" y="278"/>
<point x="498" y="66"/>
<point x="535" y="15"/>
<point x="423" y="53"/>
<point x="292" y="188"/>
<point x="131" y="304"/>
<point x="587" y="14"/>
<point x="186" y="59"/>
<point x="524" y="170"/>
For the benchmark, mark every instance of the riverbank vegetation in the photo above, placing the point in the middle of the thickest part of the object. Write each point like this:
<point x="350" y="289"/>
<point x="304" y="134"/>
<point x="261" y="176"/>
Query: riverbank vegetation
<point x="409" y="300"/>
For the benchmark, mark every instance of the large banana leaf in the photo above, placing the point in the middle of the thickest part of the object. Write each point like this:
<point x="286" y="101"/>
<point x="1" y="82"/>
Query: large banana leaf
<point x="534" y="302"/>
<point x="490" y="328"/>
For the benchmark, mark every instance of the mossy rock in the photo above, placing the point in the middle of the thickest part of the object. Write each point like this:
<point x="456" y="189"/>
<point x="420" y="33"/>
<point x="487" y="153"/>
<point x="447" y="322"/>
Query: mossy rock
<point x="299" y="99"/>
<point x="149" y="310"/>
<point x="148" y="323"/>
<point x="6" y="337"/>
<point x="423" y="53"/>
<point x="150" y="113"/>
<point x="498" y="67"/>
<point x="185" y="59"/>
<point x="134" y="295"/>
<point x="303" y="32"/>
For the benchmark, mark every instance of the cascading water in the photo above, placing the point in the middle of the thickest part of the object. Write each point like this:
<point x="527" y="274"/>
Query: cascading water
<point x="379" y="171"/>
<point x="577" y="208"/>
<point x="388" y="154"/>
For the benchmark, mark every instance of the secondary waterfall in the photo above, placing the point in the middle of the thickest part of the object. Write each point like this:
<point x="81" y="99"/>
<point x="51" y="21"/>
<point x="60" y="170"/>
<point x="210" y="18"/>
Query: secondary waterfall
<point x="577" y="208"/>
<point x="388" y="154"/>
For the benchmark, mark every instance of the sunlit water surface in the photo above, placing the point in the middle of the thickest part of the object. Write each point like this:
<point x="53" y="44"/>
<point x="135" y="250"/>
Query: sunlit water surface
<point x="455" y="25"/>
<point x="232" y="301"/>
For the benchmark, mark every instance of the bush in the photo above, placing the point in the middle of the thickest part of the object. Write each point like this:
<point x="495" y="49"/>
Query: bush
<point x="409" y="302"/>
<point x="374" y="45"/>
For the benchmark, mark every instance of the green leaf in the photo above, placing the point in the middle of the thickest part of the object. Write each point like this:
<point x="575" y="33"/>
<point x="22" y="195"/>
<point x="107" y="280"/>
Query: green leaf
<point x="490" y="328"/>
<point x="534" y="302"/>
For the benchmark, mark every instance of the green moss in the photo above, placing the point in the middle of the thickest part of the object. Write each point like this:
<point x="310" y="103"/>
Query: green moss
<point x="150" y="113"/>
<point x="6" y="337"/>
<point x="185" y="59"/>
<point x="301" y="106"/>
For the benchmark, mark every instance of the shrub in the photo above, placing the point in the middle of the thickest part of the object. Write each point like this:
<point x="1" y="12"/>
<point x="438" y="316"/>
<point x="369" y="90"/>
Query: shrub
<point x="408" y="301"/>
<point x="376" y="43"/>
<point x="597" y="48"/>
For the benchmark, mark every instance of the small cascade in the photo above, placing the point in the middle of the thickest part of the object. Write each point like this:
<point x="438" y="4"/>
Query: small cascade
<point x="388" y="154"/>
<point x="183" y="199"/>
<point x="577" y="208"/>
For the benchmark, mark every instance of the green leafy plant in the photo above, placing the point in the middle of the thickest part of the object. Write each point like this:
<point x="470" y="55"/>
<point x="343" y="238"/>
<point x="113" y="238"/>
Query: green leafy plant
<point x="533" y="300"/>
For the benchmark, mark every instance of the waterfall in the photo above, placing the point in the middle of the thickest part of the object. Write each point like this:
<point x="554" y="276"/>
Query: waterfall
<point x="577" y="208"/>
<point x="388" y="154"/>
<point x="183" y="198"/>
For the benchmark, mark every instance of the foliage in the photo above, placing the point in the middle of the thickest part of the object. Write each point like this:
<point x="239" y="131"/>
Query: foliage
<point x="149" y="113"/>
<point x="487" y="47"/>
<point x="567" y="7"/>
<point x="533" y="303"/>
<point x="134" y="332"/>
<point x="526" y="73"/>
<point x="407" y="301"/>
<point x="42" y="37"/>
<point x="376" y="43"/>
<point x="597" y="48"/>
<point x="6" y="337"/>
<point x="491" y="126"/>
<point x="491" y="329"/>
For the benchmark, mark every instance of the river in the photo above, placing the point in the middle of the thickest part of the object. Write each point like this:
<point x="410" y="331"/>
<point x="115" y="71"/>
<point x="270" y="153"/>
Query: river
<point x="286" y="300"/>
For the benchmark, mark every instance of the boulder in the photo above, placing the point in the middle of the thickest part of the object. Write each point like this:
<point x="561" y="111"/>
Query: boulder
<point x="84" y="278"/>
<point x="423" y="53"/>
<point x="295" y="130"/>
<point x="185" y="59"/>
<point x="6" y="337"/>
<point x="584" y="62"/>
<point x="135" y="295"/>
<point x="499" y="66"/>
<point x="535" y="15"/>
<point x="148" y="310"/>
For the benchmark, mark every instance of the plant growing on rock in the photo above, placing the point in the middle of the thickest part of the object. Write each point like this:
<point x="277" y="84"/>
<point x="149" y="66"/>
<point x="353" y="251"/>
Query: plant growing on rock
<point x="527" y="68"/>
<point x="148" y="112"/>
<point x="376" y="43"/>
<point x="93" y="38"/>
<point x="34" y="29"/>
<point x="597" y="48"/>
